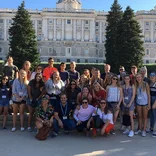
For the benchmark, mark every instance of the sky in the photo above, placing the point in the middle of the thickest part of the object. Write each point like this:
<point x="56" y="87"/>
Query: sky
<point x="98" y="5"/>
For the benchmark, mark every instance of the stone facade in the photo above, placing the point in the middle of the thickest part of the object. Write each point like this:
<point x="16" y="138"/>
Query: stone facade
<point x="70" y="33"/>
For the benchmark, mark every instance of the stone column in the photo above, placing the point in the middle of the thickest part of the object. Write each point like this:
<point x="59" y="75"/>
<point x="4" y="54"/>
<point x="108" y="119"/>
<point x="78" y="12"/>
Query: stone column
<point x="5" y="29"/>
<point x="152" y="33"/>
<point x="100" y="32"/>
<point x="92" y="30"/>
<point x="44" y="28"/>
<point x="74" y="30"/>
<point x="82" y="34"/>
<point x="54" y="29"/>
<point x="62" y="29"/>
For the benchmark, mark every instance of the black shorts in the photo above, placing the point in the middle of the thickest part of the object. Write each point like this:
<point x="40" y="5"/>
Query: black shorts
<point x="19" y="103"/>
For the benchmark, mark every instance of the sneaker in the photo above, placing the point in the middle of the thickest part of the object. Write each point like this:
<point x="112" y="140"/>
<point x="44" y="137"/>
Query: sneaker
<point x="54" y="134"/>
<point x="122" y="128"/>
<point x="126" y="131"/>
<point x="131" y="133"/>
<point x="154" y="134"/>
<point x="137" y="132"/>
<point x="29" y="129"/>
<point x="113" y="132"/>
<point x="4" y="128"/>
<point x="22" y="129"/>
<point x="143" y="134"/>
<point x="13" y="129"/>
<point x="149" y="130"/>
<point x="66" y="132"/>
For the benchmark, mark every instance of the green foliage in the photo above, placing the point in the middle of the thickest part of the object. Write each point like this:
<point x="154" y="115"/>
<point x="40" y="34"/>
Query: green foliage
<point x="130" y="45"/>
<point x="23" y="44"/>
<point x="113" y="19"/>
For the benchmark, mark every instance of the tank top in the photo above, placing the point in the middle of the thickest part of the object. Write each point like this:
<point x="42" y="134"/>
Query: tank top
<point x="113" y="94"/>
<point x="141" y="98"/>
<point x="127" y="94"/>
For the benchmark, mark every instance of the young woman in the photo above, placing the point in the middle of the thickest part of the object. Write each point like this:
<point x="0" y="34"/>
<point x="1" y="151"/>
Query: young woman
<point x="54" y="86"/>
<point x="153" y="99"/>
<point x="84" y="94"/>
<point x="82" y="115"/>
<point x="96" y="78"/>
<point x="72" y="91"/>
<point x="4" y="99"/>
<point x="83" y="81"/>
<point x="106" y="117"/>
<point x="107" y="80"/>
<point x="19" y="96"/>
<point x="36" y="90"/>
<point x="98" y="93"/>
<point x="142" y="103"/>
<point x="114" y="97"/>
<point x="26" y="67"/>
<point x="86" y="72"/>
<point x="44" y="115"/>
<point x="128" y="102"/>
<point x="143" y="72"/>
<point x="38" y="70"/>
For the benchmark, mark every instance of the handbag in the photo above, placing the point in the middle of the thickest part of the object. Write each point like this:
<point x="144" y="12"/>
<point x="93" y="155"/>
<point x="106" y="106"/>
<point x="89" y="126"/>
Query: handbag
<point x="43" y="133"/>
<point x="34" y="103"/>
<point x="97" y="121"/>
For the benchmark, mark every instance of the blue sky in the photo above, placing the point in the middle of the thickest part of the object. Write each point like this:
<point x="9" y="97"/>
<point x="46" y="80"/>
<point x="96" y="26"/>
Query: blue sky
<point x="86" y="4"/>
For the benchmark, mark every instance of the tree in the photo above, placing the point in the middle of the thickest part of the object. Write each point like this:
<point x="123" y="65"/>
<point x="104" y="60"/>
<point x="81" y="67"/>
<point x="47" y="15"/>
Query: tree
<point x="113" y="19"/>
<point x="23" y="44"/>
<point x="130" y="45"/>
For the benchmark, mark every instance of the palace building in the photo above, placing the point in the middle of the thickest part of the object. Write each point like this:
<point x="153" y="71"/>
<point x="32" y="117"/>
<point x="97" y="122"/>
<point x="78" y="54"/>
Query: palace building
<point x="70" y="33"/>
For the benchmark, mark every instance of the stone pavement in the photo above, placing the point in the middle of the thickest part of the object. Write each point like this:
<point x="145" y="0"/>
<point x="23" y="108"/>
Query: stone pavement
<point x="24" y="144"/>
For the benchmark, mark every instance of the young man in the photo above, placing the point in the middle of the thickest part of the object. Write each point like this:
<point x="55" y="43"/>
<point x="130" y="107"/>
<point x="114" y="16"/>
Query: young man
<point x="73" y="73"/>
<point x="107" y="68"/>
<point x="63" y="116"/>
<point x="134" y="71"/>
<point x="48" y="71"/>
<point x="64" y="74"/>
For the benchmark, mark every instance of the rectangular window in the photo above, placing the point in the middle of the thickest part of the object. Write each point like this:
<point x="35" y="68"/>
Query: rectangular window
<point x="78" y="60"/>
<point x="1" y="20"/>
<point x="50" y="50"/>
<point x="68" y="21"/>
<point x="147" y="51"/>
<point x="147" y="61"/>
<point x="97" y="24"/>
<point x="68" y="60"/>
<point x="86" y="60"/>
<point x="147" y="23"/>
<point x="86" y="22"/>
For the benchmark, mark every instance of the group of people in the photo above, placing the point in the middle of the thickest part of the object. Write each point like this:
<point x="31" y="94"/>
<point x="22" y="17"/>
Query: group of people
<point x="93" y="101"/>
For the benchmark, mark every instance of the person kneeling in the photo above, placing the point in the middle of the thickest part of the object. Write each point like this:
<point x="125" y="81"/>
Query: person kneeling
<point x="63" y="116"/>
<point x="44" y="118"/>
<point x="82" y="115"/>
<point x="104" y="117"/>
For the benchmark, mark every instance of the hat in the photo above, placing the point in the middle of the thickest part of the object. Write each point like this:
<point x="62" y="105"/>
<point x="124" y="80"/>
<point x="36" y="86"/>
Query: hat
<point x="45" y="97"/>
<point x="152" y="74"/>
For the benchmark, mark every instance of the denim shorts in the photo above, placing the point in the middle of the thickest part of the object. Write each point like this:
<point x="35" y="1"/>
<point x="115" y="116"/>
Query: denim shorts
<point x="4" y="102"/>
<point x="29" y="103"/>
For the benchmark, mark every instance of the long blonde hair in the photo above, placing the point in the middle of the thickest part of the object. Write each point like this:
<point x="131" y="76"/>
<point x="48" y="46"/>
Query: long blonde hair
<point x="25" y="81"/>
<point x="143" y="84"/>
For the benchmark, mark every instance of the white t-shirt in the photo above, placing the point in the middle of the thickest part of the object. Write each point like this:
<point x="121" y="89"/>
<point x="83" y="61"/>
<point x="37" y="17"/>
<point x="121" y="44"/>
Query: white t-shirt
<point x="104" y="117"/>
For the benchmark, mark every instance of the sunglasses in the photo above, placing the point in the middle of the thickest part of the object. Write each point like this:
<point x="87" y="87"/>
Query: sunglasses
<point x="115" y="79"/>
<point x="5" y="79"/>
<point x="84" y="102"/>
<point x="73" y="84"/>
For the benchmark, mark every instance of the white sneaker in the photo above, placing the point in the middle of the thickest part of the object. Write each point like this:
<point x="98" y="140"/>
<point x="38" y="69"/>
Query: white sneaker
<point x="131" y="133"/>
<point x="13" y="129"/>
<point x="126" y="131"/>
<point x="122" y="128"/>
<point x="22" y="129"/>
<point x="29" y="129"/>
<point x="137" y="132"/>
<point x="143" y="134"/>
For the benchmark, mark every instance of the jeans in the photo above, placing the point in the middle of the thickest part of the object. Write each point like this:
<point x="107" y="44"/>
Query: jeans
<point x="83" y="125"/>
<point x="68" y="125"/>
<point x="152" y="113"/>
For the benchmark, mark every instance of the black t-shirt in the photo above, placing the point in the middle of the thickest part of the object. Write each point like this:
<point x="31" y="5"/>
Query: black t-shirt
<point x="64" y="75"/>
<point x="74" y="75"/>
<point x="10" y="71"/>
<point x="36" y="90"/>
<point x="63" y="111"/>
<point x="103" y="75"/>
